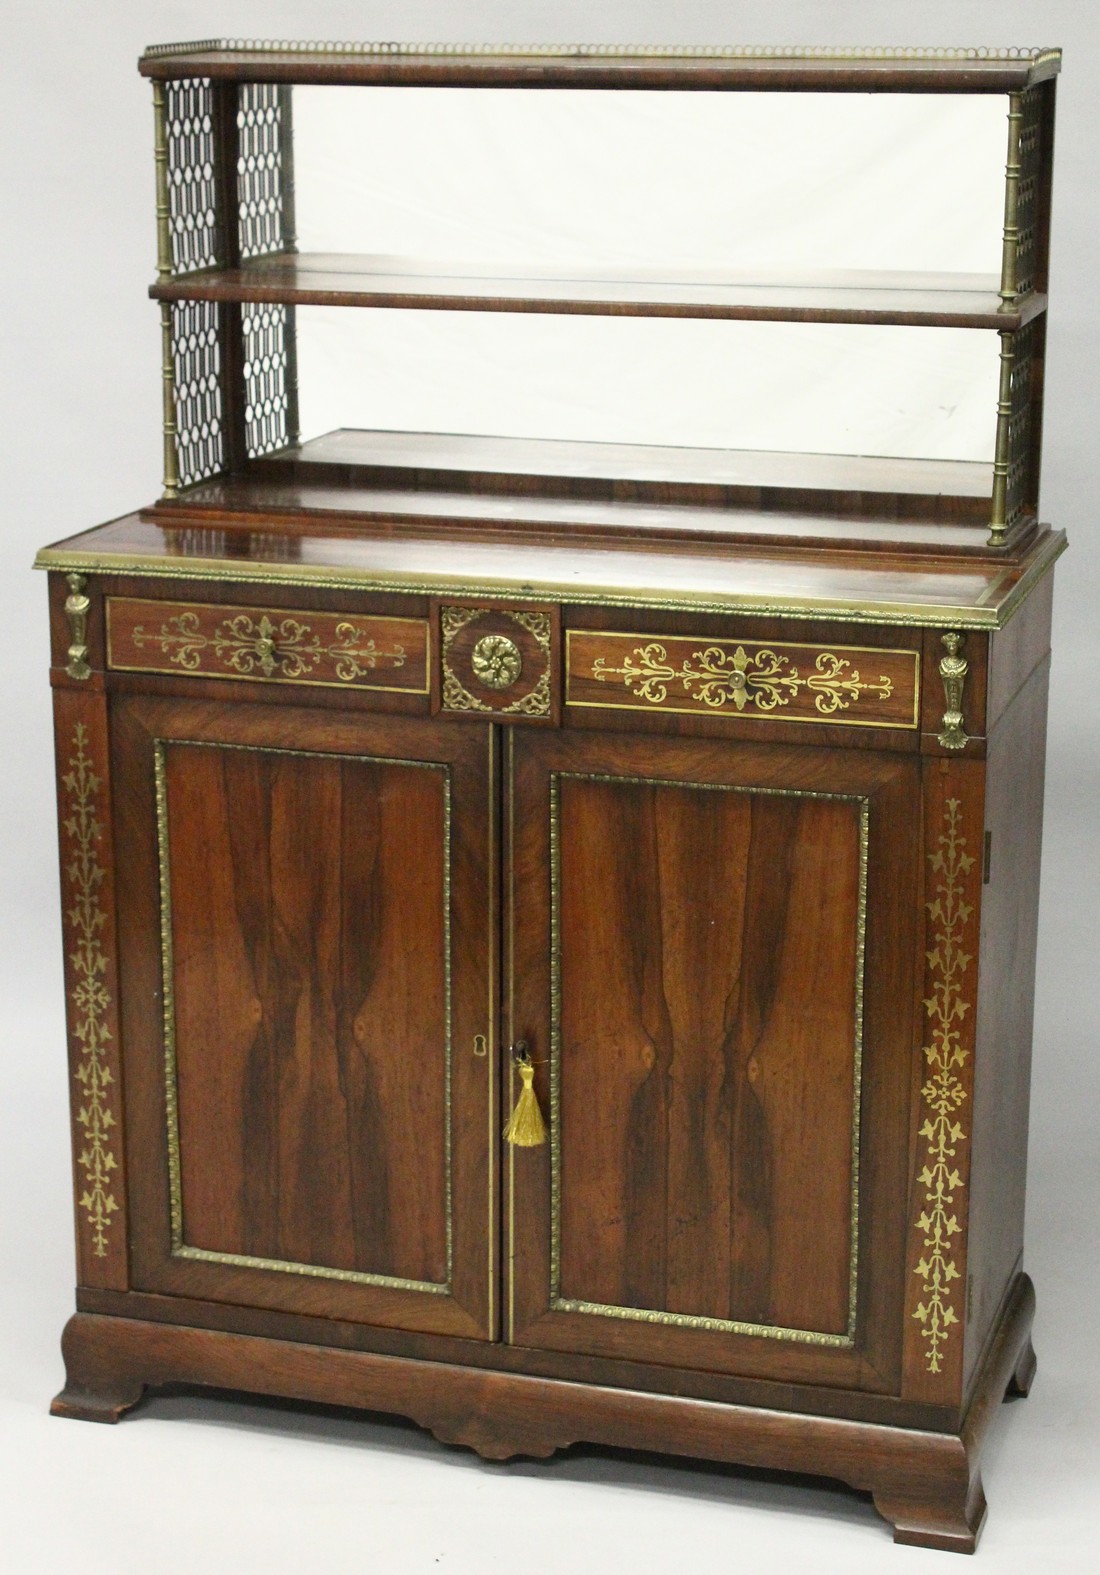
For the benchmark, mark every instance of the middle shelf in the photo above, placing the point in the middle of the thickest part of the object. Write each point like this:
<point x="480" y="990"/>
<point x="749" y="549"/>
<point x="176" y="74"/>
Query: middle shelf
<point x="934" y="300"/>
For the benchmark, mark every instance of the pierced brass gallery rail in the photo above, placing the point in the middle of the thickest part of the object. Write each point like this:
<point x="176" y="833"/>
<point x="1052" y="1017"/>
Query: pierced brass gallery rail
<point x="765" y="680"/>
<point x="90" y="1000"/>
<point x="287" y="647"/>
<point x="943" y="1091"/>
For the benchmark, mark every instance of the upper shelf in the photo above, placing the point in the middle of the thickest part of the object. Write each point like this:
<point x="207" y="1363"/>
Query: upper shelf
<point x="941" y="300"/>
<point x="820" y="69"/>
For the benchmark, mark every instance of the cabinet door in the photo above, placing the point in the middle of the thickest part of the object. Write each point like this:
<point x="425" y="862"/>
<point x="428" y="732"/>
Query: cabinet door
<point x="711" y="959"/>
<point x="308" y="1046"/>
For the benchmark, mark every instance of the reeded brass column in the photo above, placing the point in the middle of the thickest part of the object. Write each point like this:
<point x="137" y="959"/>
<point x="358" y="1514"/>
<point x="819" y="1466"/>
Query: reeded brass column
<point x="998" y="521"/>
<point x="1011" y="241"/>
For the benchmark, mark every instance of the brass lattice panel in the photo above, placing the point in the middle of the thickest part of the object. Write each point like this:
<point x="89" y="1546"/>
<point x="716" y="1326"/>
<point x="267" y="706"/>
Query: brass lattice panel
<point x="192" y="216"/>
<point x="1027" y="190"/>
<point x="196" y="362"/>
<point x="262" y="110"/>
<point x="265" y="334"/>
<point x="1019" y="423"/>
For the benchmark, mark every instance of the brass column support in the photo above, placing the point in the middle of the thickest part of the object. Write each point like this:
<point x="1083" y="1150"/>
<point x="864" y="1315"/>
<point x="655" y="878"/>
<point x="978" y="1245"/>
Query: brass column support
<point x="998" y="520"/>
<point x="1011" y="242"/>
<point x="953" y="671"/>
<point x="77" y="606"/>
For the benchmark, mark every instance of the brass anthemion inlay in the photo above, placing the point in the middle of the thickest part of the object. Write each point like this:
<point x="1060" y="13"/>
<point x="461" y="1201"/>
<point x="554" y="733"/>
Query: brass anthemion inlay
<point x="560" y="1303"/>
<point x="765" y="680"/>
<point x="89" y="997"/>
<point x="179" y="1246"/>
<point x="943" y="1092"/>
<point x="284" y="647"/>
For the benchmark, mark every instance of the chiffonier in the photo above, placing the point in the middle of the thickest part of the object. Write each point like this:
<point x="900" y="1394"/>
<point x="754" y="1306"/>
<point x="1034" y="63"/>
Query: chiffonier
<point x="550" y="925"/>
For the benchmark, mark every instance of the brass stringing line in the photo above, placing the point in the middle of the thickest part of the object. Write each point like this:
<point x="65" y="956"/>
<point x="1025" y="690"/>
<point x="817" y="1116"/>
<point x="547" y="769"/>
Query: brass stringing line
<point x="511" y="1029"/>
<point x="857" y="1078"/>
<point x="490" y="1035"/>
<point x="245" y="1260"/>
<point x="897" y="615"/>
<point x="943" y="1091"/>
<point x="89" y="995"/>
<point x="651" y="1315"/>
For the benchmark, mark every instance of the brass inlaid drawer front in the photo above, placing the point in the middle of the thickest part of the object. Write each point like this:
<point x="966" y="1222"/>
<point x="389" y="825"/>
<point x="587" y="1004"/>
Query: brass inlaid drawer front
<point x="334" y="650"/>
<point x="496" y="661"/>
<point x="858" y="686"/>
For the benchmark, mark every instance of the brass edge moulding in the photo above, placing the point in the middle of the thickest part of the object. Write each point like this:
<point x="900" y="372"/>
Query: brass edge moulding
<point x="953" y="671"/>
<point x="943" y="1092"/>
<point x="558" y="1303"/>
<point x="900" y="615"/>
<point x="756" y="684"/>
<point x="179" y="1248"/>
<point x="77" y="607"/>
<point x="89" y="999"/>
<point x="276" y="644"/>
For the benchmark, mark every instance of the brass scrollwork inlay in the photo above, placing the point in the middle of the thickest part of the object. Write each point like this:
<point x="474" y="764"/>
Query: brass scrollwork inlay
<point x="90" y="999"/>
<point x="765" y="680"/>
<point x="953" y="671"/>
<point x="77" y="607"/>
<point x="287" y="648"/>
<point x="943" y="1091"/>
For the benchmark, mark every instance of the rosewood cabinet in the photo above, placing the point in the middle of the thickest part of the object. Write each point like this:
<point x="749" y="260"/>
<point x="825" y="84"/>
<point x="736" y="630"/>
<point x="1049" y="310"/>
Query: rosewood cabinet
<point x="550" y="928"/>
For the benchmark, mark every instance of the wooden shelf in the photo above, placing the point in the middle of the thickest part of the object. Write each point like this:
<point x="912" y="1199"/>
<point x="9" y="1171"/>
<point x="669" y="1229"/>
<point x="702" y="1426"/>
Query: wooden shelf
<point x="942" y="300"/>
<point x="604" y="66"/>
<point x="538" y="488"/>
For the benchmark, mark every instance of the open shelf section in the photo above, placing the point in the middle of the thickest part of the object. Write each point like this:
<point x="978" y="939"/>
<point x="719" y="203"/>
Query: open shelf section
<point x="539" y="488"/>
<point x="941" y="300"/>
<point x="949" y="491"/>
<point x="607" y="65"/>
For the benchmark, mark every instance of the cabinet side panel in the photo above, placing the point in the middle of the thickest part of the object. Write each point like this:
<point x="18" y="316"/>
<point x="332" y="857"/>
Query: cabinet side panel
<point x="91" y="985"/>
<point x="1006" y="995"/>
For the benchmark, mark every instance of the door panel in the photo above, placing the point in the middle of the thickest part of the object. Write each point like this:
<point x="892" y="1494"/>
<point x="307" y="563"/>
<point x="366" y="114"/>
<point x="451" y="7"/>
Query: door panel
<point x="315" y="1095"/>
<point x="701" y="1038"/>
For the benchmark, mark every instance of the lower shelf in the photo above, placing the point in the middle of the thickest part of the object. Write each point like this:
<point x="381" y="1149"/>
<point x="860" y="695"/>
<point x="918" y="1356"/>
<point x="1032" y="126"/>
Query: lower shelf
<point x="927" y="1484"/>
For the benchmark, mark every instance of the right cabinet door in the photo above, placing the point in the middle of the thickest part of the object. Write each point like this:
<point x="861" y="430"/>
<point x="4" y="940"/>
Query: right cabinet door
<point x="711" y="957"/>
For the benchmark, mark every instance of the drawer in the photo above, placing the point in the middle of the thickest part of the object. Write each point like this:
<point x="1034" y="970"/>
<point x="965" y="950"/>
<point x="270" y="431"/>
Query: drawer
<point x="856" y="686"/>
<point x="274" y="645"/>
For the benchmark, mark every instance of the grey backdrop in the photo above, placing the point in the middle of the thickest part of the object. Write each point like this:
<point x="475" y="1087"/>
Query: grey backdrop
<point x="220" y="1486"/>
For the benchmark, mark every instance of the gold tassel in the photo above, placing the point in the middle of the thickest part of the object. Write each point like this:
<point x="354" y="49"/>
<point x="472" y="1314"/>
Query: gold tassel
<point x="526" y="1128"/>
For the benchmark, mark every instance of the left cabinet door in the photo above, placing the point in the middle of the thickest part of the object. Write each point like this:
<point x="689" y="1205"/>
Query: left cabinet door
<point x="306" y="905"/>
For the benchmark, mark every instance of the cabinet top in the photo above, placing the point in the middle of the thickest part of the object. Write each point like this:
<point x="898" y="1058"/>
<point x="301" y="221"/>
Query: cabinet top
<point x="754" y="67"/>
